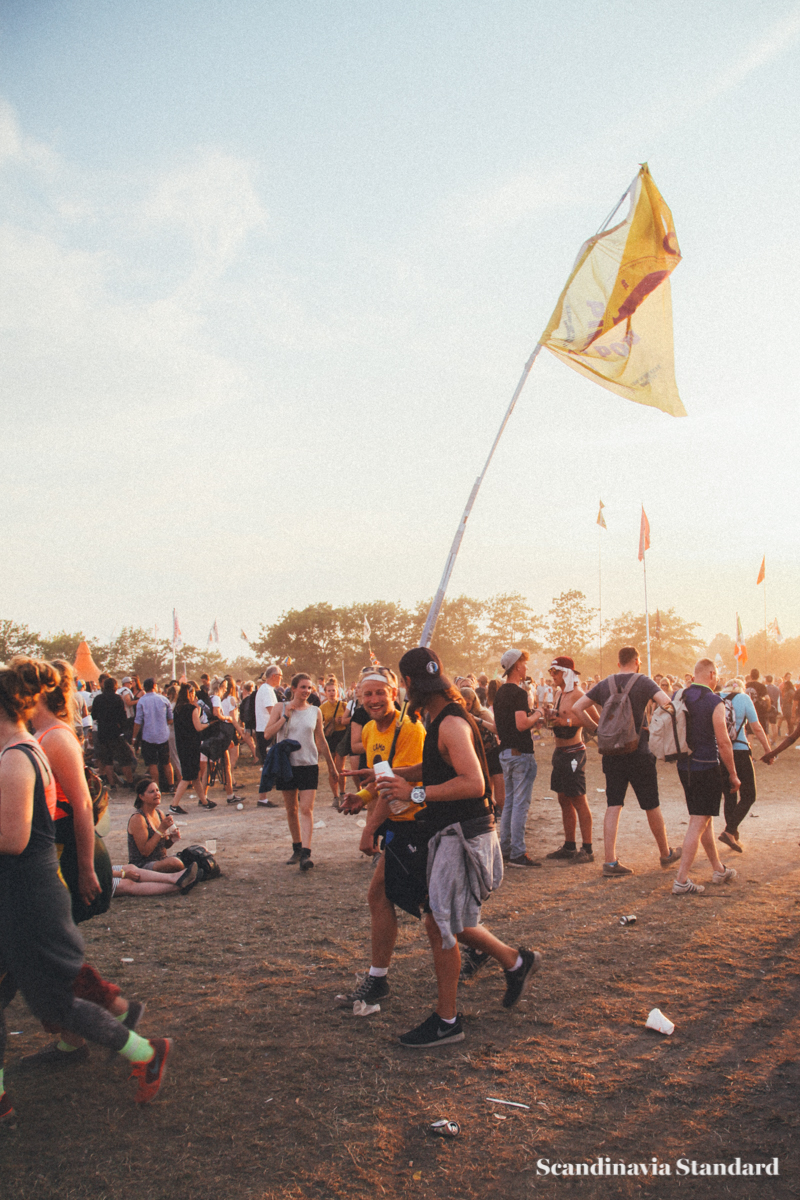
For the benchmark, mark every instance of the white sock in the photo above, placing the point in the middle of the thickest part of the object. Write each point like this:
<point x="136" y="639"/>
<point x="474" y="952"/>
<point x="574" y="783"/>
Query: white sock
<point x="518" y="963"/>
<point x="378" y="972"/>
<point x="448" y="1020"/>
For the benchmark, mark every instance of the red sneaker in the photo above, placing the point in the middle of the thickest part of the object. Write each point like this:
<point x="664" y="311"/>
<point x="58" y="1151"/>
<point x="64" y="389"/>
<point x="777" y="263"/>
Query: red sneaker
<point x="150" y="1074"/>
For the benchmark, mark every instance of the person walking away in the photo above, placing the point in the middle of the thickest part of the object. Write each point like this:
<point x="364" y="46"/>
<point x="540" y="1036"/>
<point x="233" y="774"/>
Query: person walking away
<point x="153" y="721"/>
<point x="738" y="804"/>
<point x="637" y="768"/>
<point x="701" y="778"/>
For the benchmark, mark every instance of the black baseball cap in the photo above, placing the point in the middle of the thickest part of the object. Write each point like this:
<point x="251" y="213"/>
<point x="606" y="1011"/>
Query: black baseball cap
<point x="425" y="668"/>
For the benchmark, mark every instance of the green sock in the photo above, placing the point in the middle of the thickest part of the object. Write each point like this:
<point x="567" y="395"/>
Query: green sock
<point x="137" y="1049"/>
<point x="65" y="1046"/>
<point x="2" y="1085"/>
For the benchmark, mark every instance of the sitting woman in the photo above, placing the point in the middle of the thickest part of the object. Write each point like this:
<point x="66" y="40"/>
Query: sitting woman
<point x="152" y="833"/>
<point x="138" y="881"/>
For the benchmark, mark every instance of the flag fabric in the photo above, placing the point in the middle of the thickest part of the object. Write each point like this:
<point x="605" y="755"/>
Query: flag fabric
<point x="287" y="662"/>
<point x="613" y="320"/>
<point x="762" y="574"/>
<point x="740" y="649"/>
<point x="213" y="633"/>
<point x="644" y="535"/>
<point x="775" y="632"/>
<point x="177" y="637"/>
<point x="373" y="658"/>
<point x="601" y="521"/>
<point x="657" y="627"/>
<point x="367" y="630"/>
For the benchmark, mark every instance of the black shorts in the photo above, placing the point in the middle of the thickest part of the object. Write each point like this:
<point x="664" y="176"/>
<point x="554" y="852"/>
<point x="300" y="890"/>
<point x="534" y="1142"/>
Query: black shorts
<point x="155" y="754"/>
<point x="638" y="770"/>
<point x="703" y="790"/>
<point x="117" y="751"/>
<point x="568" y="776"/>
<point x="306" y="779"/>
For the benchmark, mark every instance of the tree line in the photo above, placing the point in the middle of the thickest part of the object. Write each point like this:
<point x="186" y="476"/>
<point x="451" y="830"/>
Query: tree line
<point x="470" y="635"/>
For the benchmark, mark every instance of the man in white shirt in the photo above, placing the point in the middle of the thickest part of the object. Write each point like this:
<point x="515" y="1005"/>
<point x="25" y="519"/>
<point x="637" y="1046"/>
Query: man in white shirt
<point x="265" y="702"/>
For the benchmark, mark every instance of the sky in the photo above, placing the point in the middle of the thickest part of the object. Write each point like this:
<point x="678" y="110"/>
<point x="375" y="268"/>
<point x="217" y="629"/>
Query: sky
<point x="271" y="273"/>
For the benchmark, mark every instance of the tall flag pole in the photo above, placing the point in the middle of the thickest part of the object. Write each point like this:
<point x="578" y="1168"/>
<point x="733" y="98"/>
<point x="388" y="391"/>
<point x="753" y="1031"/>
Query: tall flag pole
<point x="601" y="523"/>
<point x="644" y="546"/>
<point x="612" y="323"/>
<point x="762" y="578"/>
<point x="740" y="647"/>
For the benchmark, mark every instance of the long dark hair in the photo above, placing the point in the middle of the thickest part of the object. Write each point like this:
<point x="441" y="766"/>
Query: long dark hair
<point x="417" y="700"/>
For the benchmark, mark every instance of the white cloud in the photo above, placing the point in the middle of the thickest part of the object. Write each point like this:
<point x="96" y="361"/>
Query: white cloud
<point x="213" y="200"/>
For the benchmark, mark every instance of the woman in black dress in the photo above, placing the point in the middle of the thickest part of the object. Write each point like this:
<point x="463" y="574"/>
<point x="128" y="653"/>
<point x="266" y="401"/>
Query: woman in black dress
<point x="189" y="728"/>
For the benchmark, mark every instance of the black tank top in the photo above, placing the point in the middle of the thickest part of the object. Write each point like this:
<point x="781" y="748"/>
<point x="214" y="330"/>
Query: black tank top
<point x="439" y="813"/>
<point x="42" y="840"/>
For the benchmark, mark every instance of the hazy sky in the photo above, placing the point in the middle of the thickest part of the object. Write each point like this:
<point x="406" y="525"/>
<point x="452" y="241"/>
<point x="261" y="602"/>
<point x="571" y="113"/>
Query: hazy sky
<point x="271" y="272"/>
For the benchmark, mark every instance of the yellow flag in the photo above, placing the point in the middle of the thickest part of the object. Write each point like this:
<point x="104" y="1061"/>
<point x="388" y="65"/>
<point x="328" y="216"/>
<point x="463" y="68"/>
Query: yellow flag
<point x="613" y="320"/>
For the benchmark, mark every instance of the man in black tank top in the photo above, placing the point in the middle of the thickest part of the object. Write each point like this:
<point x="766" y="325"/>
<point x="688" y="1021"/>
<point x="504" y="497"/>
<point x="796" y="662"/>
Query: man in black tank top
<point x="465" y="864"/>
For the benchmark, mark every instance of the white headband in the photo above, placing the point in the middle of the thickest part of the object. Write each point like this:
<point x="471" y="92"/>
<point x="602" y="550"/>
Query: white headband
<point x="570" y="677"/>
<point x="378" y="679"/>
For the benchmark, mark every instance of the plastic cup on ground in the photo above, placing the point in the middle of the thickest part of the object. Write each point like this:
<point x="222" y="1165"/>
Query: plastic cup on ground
<point x="211" y="845"/>
<point x="656" y="1020"/>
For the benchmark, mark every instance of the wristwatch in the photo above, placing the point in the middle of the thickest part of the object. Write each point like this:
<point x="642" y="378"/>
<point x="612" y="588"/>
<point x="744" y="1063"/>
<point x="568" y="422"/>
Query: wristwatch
<point x="417" y="795"/>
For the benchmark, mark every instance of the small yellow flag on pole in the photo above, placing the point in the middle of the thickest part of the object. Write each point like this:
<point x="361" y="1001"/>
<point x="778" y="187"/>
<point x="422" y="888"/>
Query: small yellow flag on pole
<point x="613" y="320"/>
<point x="762" y="572"/>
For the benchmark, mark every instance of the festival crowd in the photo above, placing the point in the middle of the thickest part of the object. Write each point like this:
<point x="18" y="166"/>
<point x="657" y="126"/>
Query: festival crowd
<point x="442" y="769"/>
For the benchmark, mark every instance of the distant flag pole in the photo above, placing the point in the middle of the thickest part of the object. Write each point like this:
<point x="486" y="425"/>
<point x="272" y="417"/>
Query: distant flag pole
<point x="244" y="636"/>
<point x="644" y="546"/>
<point x="612" y="323"/>
<point x="601" y="522"/>
<point x="762" y="578"/>
<point x="775" y="630"/>
<point x="177" y="639"/>
<point x="740" y="648"/>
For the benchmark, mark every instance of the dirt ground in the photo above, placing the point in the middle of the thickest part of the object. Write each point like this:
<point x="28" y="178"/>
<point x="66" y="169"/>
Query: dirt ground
<point x="276" y="1090"/>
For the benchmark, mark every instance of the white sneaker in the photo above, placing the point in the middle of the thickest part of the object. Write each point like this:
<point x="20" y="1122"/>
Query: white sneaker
<point x="687" y="889"/>
<point x="724" y="876"/>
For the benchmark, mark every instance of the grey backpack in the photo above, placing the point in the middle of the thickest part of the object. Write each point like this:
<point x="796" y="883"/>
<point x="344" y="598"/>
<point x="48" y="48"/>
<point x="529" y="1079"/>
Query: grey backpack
<point x="616" y="729"/>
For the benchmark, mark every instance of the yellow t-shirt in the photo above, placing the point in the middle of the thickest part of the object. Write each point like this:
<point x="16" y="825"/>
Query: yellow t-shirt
<point x="407" y="752"/>
<point x="328" y="708"/>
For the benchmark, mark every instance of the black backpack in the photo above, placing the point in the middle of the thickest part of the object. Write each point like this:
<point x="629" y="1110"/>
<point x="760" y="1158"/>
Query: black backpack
<point x="207" y="865"/>
<point x="247" y="711"/>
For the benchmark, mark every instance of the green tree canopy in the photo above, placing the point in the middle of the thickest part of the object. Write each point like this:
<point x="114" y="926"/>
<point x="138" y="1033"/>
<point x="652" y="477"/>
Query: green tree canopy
<point x="17" y="639"/>
<point x="674" y="644"/>
<point x="510" y="621"/>
<point x="571" y="625"/>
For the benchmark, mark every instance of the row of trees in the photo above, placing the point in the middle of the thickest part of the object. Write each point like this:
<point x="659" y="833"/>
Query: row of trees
<point x="133" y="652"/>
<point x="470" y="635"/>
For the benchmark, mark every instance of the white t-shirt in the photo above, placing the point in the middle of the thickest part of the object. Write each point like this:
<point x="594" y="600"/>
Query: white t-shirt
<point x="265" y="699"/>
<point x="229" y="706"/>
<point x="127" y="696"/>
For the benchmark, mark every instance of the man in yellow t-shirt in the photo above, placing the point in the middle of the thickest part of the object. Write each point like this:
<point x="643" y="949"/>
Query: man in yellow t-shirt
<point x="378" y="694"/>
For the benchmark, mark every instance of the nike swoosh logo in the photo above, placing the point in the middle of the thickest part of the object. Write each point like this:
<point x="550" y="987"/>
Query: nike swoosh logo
<point x="440" y="1033"/>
